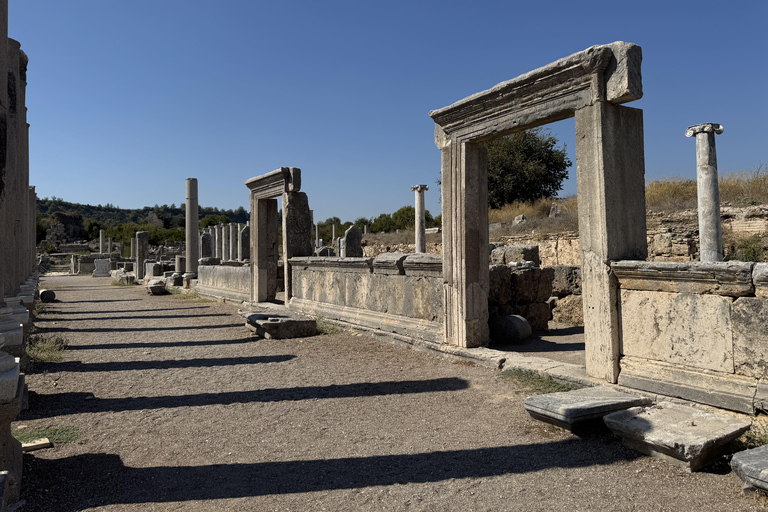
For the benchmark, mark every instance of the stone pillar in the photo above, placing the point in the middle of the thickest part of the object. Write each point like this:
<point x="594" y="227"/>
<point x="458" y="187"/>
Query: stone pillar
<point x="333" y="232"/>
<point x="206" y="246"/>
<point x="133" y="248"/>
<point x="244" y="248"/>
<point x="224" y="242"/>
<point x="365" y="229"/>
<point x="297" y="233"/>
<point x="353" y="238"/>
<point x="109" y="245"/>
<point x="317" y="235"/>
<point x="233" y="232"/>
<point x="142" y="253"/>
<point x="420" y="225"/>
<point x="610" y="173"/>
<point x="192" y="228"/>
<point x="239" y="238"/>
<point x="710" y="230"/>
<point x="102" y="242"/>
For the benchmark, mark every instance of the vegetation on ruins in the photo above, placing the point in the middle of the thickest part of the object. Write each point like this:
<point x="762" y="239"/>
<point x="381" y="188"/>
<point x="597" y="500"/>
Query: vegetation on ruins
<point x="524" y="167"/>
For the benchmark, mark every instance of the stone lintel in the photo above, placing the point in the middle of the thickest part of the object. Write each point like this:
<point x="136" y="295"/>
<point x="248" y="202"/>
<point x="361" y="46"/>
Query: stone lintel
<point x="718" y="389"/>
<point x="336" y="264"/>
<point x="729" y="278"/>
<point x="390" y="263"/>
<point x="275" y="183"/>
<point x="547" y="94"/>
<point x="421" y="264"/>
<point x="692" y="131"/>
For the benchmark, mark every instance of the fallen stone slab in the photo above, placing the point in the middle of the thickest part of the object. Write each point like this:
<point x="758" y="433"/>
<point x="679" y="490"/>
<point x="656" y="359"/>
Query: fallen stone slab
<point x="752" y="468"/>
<point x="678" y="433"/>
<point x="156" y="287"/>
<point x="36" y="444"/>
<point x="279" y="326"/>
<point x="47" y="296"/>
<point x="570" y="409"/>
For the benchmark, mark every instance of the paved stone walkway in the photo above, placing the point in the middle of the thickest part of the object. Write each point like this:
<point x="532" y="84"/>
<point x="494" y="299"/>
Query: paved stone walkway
<point x="182" y="409"/>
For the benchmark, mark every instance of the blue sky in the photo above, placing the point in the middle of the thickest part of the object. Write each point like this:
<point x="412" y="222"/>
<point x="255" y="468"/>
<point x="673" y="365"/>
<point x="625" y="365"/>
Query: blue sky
<point x="127" y="99"/>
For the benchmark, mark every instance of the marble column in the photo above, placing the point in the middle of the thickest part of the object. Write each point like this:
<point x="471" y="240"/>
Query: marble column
<point x="192" y="228"/>
<point x="710" y="230"/>
<point x="420" y="226"/>
<point x="233" y="232"/>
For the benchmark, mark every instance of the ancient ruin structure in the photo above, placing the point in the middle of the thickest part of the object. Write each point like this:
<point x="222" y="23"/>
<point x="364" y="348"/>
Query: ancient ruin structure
<point x="420" y="226"/>
<point x="708" y="190"/>
<point x="192" y="228"/>
<point x="591" y="86"/>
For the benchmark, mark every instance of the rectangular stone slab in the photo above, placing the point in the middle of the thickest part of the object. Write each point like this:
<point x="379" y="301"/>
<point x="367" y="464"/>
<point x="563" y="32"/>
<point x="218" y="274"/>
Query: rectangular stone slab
<point x="276" y="326"/>
<point x="689" y="436"/>
<point x="569" y="408"/>
<point x="752" y="467"/>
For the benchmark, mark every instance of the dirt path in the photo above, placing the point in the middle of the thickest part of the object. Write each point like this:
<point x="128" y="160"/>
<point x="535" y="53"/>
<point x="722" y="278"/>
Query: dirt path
<point x="182" y="409"/>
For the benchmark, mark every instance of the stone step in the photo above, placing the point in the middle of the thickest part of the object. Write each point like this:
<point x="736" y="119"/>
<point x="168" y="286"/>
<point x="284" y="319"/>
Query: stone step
<point x="682" y="434"/>
<point x="752" y="468"/>
<point x="572" y="409"/>
<point x="279" y="325"/>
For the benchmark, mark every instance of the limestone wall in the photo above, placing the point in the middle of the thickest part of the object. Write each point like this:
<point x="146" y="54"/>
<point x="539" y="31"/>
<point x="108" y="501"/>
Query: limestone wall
<point x="394" y="293"/>
<point x="696" y="330"/>
<point x="224" y="282"/>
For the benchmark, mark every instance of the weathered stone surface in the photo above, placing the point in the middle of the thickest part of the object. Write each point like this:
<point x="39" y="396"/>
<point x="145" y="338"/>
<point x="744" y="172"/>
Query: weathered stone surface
<point x="142" y="252"/>
<point x="510" y="329"/>
<point x="569" y="310"/>
<point x="156" y="287"/>
<point x="500" y="285"/>
<point x="279" y="326"/>
<point x="353" y="238"/>
<point x="192" y="223"/>
<point x="206" y="246"/>
<point x="224" y="282"/>
<point x="520" y="219"/>
<point x="47" y="296"/>
<point x="532" y="284"/>
<point x="723" y="390"/>
<point x="729" y="278"/>
<point x="687" y="329"/>
<point x="568" y="409"/>
<point x="760" y="279"/>
<point x="101" y="268"/>
<point x="275" y="183"/>
<point x="693" y="437"/>
<point x="749" y="320"/>
<point x="423" y="264"/>
<point x="390" y="263"/>
<point x="324" y="252"/>
<point x="752" y="467"/>
<point x="209" y="261"/>
<point x="567" y="280"/>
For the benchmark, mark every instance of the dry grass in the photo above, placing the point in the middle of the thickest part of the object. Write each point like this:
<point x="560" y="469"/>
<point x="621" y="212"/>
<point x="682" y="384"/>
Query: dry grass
<point x="537" y="215"/>
<point x="738" y="188"/>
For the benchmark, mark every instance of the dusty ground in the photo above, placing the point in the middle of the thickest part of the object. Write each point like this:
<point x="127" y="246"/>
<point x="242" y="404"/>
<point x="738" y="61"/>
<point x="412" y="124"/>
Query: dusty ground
<point x="182" y="409"/>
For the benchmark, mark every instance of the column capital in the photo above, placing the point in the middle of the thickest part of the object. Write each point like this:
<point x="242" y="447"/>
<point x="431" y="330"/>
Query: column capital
<point x="704" y="128"/>
<point x="420" y="188"/>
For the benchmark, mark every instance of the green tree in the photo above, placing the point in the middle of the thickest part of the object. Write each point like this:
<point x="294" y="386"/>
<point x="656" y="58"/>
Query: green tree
<point x="213" y="219"/>
<point x="404" y="218"/>
<point x="382" y="223"/>
<point x="525" y="166"/>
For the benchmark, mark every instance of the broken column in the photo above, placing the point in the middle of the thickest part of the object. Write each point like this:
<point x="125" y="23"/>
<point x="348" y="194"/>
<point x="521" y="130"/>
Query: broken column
<point x="224" y="242"/>
<point x="192" y="228"/>
<point x="142" y="253"/>
<point x="102" y="242"/>
<point x="244" y="242"/>
<point x="233" y="232"/>
<point x="710" y="230"/>
<point x="420" y="226"/>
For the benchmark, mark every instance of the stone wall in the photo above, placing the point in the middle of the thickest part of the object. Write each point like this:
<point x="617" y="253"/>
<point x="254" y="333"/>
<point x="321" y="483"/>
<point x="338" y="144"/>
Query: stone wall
<point x="394" y="293"/>
<point x="696" y="330"/>
<point x="224" y="282"/>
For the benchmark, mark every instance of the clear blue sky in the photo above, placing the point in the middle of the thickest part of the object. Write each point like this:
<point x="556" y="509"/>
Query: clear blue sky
<point x="127" y="99"/>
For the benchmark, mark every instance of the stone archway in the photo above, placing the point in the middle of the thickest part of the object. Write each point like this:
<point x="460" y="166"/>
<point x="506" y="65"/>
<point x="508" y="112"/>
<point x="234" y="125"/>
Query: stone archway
<point x="590" y="86"/>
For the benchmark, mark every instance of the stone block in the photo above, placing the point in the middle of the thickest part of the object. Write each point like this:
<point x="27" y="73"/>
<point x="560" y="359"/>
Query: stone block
<point x="752" y="467"/>
<point x="389" y="263"/>
<point x="681" y="328"/>
<point x="566" y="280"/>
<point x="101" y="268"/>
<point x="500" y="286"/>
<point x="679" y="433"/>
<point x="729" y="278"/>
<point x="423" y="264"/>
<point x="749" y="318"/>
<point x="760" y="279"/>
<point x="209" y="261"/>
<point x="353" y="238"/>
<point x="509" y="329"/>
<point x="538" y="315"/>
<point x="571" y="408"/>
<point x="277" y="326"/>
<point x="156" y="287"/>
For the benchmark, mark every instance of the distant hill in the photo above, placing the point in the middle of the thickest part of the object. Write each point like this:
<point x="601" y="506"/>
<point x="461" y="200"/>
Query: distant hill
<point x="108" y="215"/>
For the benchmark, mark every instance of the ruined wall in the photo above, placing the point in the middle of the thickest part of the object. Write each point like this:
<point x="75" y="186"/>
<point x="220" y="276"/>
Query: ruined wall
<point x="696" y="330"/>
<point x="224" y="282"/>
<point x="394" y="293"/>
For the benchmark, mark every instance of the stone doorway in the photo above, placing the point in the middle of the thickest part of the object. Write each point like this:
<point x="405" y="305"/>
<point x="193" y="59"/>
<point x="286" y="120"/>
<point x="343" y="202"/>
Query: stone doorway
<point x="589" y="86"/>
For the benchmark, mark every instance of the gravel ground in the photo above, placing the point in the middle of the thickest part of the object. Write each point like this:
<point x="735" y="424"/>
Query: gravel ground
<point x="181" y="408"/>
